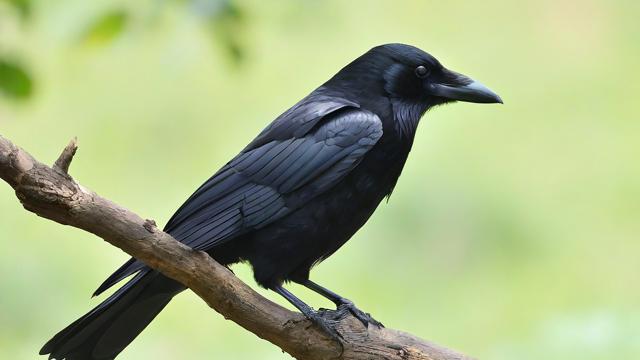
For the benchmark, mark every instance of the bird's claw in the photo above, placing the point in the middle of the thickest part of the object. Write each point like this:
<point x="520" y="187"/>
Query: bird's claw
<point x="365" y="318"/>
<point x="325" y="325"/>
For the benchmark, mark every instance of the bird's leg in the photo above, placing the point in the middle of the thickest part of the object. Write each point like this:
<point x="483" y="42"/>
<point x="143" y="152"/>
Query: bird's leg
<point x="341" y="302"/>
<point x="307" y="311"/>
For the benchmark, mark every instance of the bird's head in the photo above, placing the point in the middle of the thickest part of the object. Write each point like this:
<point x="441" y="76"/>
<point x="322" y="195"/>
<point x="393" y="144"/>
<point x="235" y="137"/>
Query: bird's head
<point x="413" y="80"/>
<point x="408" y="73"/>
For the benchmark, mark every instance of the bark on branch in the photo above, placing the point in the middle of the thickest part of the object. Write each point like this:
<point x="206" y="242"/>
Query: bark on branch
<point x="51" y="193"/>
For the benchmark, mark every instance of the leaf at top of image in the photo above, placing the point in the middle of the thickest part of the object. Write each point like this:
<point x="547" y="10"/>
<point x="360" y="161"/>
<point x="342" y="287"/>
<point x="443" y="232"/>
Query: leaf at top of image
<point x="15" y="82"/>
<point x="105" y="28"/>
<point x="226" y="21"/>
<point x="217" y="9"/>
<point x="23" y="7"/>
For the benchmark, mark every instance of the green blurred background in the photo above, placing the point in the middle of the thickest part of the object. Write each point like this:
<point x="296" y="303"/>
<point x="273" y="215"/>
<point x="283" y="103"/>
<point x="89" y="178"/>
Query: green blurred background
<point x="513" y="231"/>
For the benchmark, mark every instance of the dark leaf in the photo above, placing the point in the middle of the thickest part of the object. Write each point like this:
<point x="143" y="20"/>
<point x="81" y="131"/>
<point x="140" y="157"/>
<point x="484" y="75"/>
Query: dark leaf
<point x="230" y="10"/>
<point x="227" y="25"/>
<point x="15" y="82"/>
<point x="225" y="19"/>
<point x="234" y="49"/>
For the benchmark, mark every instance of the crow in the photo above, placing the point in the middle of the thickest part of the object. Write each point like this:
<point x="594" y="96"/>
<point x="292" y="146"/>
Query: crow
<point x="292" y="197"/>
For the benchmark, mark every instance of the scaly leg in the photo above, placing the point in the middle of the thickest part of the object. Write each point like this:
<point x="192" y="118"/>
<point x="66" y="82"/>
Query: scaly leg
<point x="308" y="312"/>
<point x="341" y="302"/>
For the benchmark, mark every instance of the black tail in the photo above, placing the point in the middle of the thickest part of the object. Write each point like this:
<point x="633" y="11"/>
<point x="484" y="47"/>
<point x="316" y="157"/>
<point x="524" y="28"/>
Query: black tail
<point x="106" y="330"/>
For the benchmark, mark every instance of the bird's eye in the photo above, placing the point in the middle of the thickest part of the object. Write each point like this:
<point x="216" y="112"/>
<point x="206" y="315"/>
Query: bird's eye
<point x="422" y="71"/>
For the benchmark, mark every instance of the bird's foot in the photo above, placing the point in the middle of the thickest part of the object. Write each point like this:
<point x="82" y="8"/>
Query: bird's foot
<point x="365" y="318"/>
<point x="326" y="325"/>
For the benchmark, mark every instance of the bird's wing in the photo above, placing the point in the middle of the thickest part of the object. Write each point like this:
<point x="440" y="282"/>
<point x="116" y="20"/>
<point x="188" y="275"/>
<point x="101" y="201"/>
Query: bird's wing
<point x="265" y="183"/>
<point x="277" y="173"/>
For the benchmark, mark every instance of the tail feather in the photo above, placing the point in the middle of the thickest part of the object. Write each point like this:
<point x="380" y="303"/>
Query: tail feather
<point x="132" y="266"/>
<point x="106" y="330"/>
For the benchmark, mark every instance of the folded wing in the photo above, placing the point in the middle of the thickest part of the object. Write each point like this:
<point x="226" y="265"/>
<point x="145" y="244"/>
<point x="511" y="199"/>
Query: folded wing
<point x="281" y="170"/>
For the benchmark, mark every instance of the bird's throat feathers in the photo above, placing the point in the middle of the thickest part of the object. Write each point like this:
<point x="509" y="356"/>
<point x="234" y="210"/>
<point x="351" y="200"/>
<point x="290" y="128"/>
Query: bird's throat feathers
<point x="407" y="116"/>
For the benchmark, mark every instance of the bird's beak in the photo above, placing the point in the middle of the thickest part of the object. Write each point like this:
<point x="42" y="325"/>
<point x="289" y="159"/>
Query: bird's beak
<point x="461" y="88"/>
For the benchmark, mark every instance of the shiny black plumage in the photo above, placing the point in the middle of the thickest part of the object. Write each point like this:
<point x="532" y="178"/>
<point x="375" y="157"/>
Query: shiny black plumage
<point x="292" y="197"/>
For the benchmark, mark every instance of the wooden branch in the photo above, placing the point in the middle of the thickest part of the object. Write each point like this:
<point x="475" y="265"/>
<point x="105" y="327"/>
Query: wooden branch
<point x="51" y="193"/>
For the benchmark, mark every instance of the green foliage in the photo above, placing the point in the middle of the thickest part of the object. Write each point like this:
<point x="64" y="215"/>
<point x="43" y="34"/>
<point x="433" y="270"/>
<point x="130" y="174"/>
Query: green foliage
<point x="106" y="28"/>
<point x="227" y="24"/>
<point x="15" y="81"/>
<point x="23" y="7"/>
<point x="226" y="21"/>
<point x="224" y="18"/>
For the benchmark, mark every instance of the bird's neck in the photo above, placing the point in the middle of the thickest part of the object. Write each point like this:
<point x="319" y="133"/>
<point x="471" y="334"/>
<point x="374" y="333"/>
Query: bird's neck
<point x="407" y="116"/>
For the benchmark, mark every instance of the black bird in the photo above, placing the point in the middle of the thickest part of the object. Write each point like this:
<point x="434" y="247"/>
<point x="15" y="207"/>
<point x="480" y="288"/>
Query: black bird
<point x="293" y="196"/>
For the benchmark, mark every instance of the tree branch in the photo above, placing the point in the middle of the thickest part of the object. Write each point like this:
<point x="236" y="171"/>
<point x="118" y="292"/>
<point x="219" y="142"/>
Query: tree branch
<point x="51" y="193"/>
